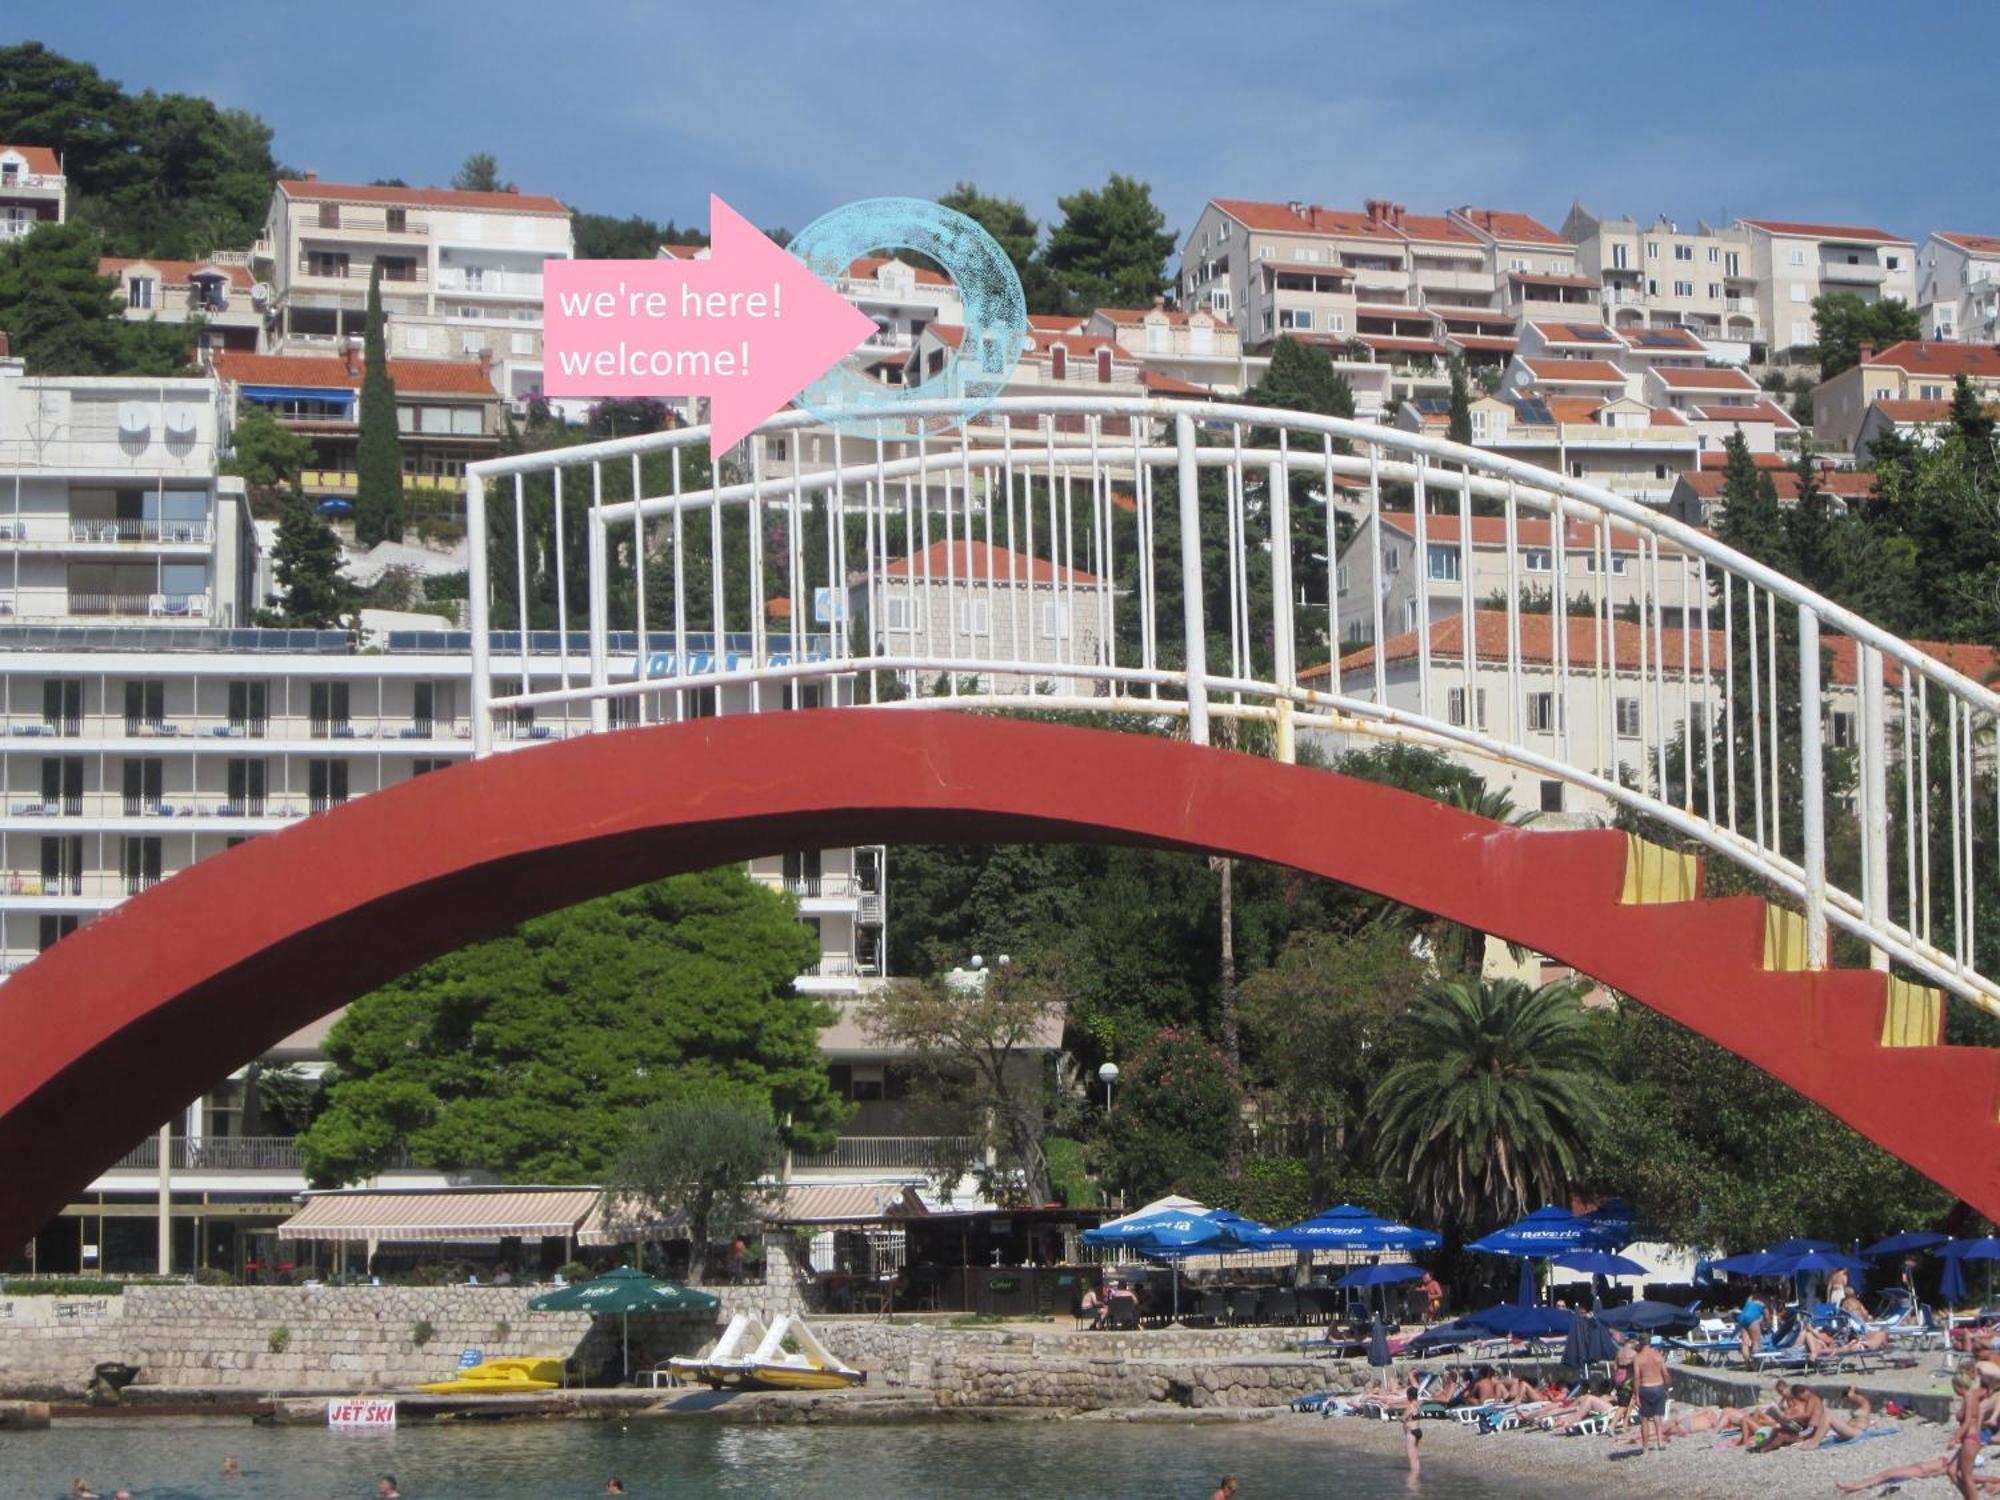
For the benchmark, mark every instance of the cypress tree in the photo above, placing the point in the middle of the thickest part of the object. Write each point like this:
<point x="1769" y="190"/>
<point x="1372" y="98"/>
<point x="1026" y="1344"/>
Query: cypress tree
<point x="306" y="559"/>
<point x="1460" y="430"/>
<point x="378" y="453"/>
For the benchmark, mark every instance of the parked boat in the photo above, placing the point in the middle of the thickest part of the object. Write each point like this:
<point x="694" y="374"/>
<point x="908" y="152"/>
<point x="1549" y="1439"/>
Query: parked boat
<point x="787" y="1356"/>
<point x="499" y="1377"/>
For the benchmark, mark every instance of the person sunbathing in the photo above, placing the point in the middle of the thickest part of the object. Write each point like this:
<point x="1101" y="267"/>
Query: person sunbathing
<point x="1874" y="1341"/>
<point x="1930" y="1468"/>
<point x="1859" y="1406"/>
<point x="1754" y="1423"/>
<point x="1820" y="1424"/>
<point x="1705" y="1419"/>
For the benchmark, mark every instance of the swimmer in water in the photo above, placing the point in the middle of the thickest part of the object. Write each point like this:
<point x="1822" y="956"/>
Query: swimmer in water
<point x="231" y="1469"/>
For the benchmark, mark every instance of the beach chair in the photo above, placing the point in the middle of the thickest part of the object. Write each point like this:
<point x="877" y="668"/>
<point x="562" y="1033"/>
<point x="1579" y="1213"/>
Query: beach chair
<point x="1242" y="1308"/>
<point x="1282" y="1308"/>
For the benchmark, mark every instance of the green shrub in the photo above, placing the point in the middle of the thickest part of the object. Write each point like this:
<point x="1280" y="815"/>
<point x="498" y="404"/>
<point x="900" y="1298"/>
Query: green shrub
<point x="1069" y="1178"/>
<point x="280" y="1340"/>
<point x="214" y="1276"/>
<point x="501" y="1330"/>
<point x="421" y="1332"/>
<point x="574" y="1270"/>
<point x="54" y="1287"/>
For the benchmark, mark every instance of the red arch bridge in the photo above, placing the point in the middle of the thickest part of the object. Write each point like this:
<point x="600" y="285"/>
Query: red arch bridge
<point x="778" y="652"/>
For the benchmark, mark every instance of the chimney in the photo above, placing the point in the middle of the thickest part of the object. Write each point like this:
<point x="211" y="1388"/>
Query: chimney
<point x="1867" y="352"/>
<point x="1377" y="209"/>
<point x="1298" y="208"/>
<point x="351" y="359"/>
<point x="312" y="174"/>
<point x="1396" y="212"/>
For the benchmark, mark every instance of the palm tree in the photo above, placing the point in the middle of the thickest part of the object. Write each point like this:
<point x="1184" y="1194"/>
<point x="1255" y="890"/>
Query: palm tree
<point x="1501" y="1087"/>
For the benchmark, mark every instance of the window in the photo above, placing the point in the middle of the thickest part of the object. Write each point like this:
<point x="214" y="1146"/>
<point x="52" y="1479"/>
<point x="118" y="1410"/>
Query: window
<point x="56" y="927"/>
<point x="523" y="343"/>
<point x="1058" y="363"/>
<point x="975" y="615"/>
<point x="1104" y="367"/>
<point x="1222" y="231"/>
<point x="1683" y="252"/>
<point x="1652" y="286"/>
<point x="1542" y="712"/>
<point x="141" y="863"/>
<point x="1295" y="317"/>
<point x="1714" y="254"/>
<point x="329" y="216"/>
<point x="1798" y="256"/>
<point x="1219" y="300"/>
<point x="416" y="340"/>
<point x="144" y="776"/>
<point x="1627" y="714"/>
<point x="397" y="220"/>
<point x="62" y="705"/>
<point x="62" y="865"/>
<point x="139" y="292"/>
<point x="326" y="263"/>
<point x="1892" y="262"/>
<point x="326" y="784"/>
<point x="1620" y="260"/>
<point x="1732" y="264"/>
<point x="1843" y="731"/>
<point x="1618" y="563"/>
<point x="1340" y="578"/>
<point x="247" y="784"/>
<point x="1455" y="707"/>
<point x="896" y="612"/>
<point x="1444" y="563"/>
<point x="1336" y="322"/>
<point x="1931" y="392"/>
<point x="1798" y="292"/>
<point x="1714" y="291"/>
<point x="1392" y="560"/>
<point x="1652" y="249"/>
<point x="1055" y="620"/>
<point x="1156" y="338"/>
<point x="248" y="714"/>
<point x="1801" y="332"/>
<point x="327" y="706"/>
<point x="62" y="785"/>
<point x="1552" y="796"/>
<point x="145" y="706"/>
<point x="629" y="706"/>
<point x="1683" y="288"/>
<point x="1536" y="560"/>
<point x="1409" y="614"/>
<point x="1659" y="471"/>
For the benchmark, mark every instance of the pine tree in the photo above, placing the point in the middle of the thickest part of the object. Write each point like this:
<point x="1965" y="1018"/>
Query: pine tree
<point x="306" y="558"/>
<point x="1751" y="521"/>
<point x="378" y="452"/>
<point x="1460" y="430"/>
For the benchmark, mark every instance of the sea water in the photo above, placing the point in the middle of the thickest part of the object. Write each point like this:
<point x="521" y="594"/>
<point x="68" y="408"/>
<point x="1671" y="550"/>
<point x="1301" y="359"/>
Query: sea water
<point x="167" y="1459"/>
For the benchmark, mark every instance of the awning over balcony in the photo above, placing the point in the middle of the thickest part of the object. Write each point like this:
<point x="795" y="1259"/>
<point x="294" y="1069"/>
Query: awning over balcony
<point x="628" y="1226"/>
<point x="843" y="1203"/>
<point x="447" y="1215"/>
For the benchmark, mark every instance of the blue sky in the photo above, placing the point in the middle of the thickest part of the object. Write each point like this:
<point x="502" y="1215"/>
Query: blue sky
<point x="1696" y="109"/>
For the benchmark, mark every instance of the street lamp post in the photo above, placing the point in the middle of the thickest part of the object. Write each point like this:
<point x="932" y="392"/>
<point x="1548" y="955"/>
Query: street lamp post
<point x="1108" y="1075"/>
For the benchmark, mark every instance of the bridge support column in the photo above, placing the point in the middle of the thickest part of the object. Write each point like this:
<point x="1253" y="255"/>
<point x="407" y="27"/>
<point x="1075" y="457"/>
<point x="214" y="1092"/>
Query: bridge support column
<point x="1283" y="647"/>
<point x="1191" y="600"/>
<point x="476" y="604"/>
<point x="1874" y="744"/>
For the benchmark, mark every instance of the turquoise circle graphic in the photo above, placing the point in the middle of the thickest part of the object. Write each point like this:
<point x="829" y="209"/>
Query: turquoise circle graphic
<point x="996" y="310"/>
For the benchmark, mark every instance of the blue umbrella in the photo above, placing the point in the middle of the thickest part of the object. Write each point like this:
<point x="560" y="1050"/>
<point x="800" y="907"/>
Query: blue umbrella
<point x="1613" y="1224"/>
<point x="1798" y="1246"/>
<point x="1904" y="1243"/>
<point x="1981" y="1249"/>
<point x="1799" y="1262"/>
<point x="1347" y="1227"/>
<point x="1752" y="1263"/>
<point x="1461" y="1331"/>
<point x="1388" y="1275"/>
<point x="1952" y="1286"/>
<point x="1647" y="1316"/>
<point x="1545" y="1232"/>
<point x="1587" y="1344"/>
<point x="1526" y="1295"/>
<point x="1169" y="1229"/>
<point x="1378" y="1345"/>
<point x="1521" y="1322"/>
<point x="1599" y="1263"/>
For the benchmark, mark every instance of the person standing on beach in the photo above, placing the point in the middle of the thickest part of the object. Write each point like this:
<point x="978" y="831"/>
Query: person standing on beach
<point x="1649" y="1386"/>
<point x="1225" y="1490"/>
<point x="1413" y="1432"/>
<point x="1965" y="1452"/>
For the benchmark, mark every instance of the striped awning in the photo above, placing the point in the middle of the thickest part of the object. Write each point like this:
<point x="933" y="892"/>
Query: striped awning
<point x="836" y="1203"/>
<point x="458" y="1216"/>
<point x="628" y="1225"/>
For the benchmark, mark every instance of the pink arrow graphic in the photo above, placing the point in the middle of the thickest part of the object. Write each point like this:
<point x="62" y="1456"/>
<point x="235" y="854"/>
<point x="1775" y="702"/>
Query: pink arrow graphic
<point x="749" y="327"/>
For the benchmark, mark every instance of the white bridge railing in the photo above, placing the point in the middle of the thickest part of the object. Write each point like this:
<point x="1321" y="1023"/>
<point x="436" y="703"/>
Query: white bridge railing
<point x="1183" y="560"/>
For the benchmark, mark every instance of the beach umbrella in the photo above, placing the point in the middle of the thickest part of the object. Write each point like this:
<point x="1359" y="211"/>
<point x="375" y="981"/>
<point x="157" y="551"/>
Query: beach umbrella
<point x="1460" y="1331"/>
<point x="1980" y="1249"/>
<point x="1952" y="1286"/>
<point x="1647" y="1316"/>
<point x="624" y="1292"/>
<point x="1613" y="1224"/>
<point x="1599" y="1263"/>
<point x="1797" y="1263"/>
<point x="1799" y="1246"/>
<point x="1167" y="1229"/>
<point x="1545" y="1232"/>
<point x="1904" y="1243"/>
<point x="1526" y="1295"/>
<point x="1381" y="1275"/>
<point x="1378" y="1345"/>
<point x="1587" y="1344"/>
<point x="1750" y="1263"/>
<point x="1347" y="1226"/>
<point x="1517" y="1321"/>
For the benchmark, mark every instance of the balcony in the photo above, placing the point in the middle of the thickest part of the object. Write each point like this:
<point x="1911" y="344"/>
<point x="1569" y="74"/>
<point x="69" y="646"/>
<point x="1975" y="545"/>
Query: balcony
<point x="482" y="282"/>
<point x="62" y="531"/>
<point x="227" y="1153"/>
<point x="141" y="606"/>
<point x="1848" y="274"/>
<point x="876" y="1153"/>
<point x="359" y="271"/>
<point x="352" y="222"/>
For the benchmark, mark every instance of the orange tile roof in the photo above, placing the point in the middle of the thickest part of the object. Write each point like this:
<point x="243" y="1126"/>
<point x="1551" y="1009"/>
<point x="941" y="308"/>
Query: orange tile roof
<point x="1538" y="642"/>
<point x="1167" y="385"/>
<point x="1595" y="335"/>
<point x="683" y="252"/>
<point x="868" y="265"/>
<point x="1976" y="662"/>
<point x="1473" y="315"/>
<point x="1680" y="378"/>
<point x="1978" y="244"/>
<point x="1514" y="228"/>
<point x="408" y="197"/>
<point x="1529" y="531"/>
<point x="1324" y="223"/>
<point x="40" y="160"/>
<point x="1573" y="409"/>
<point x="1384" y="343"/>
<point x="1132" y="316"/>
<point x="1083" y="345"/>
<point x="1922" y="357"/>
<point x="1756" y="411"/>
<point x="1591" y="371"/>
<point x="947" y="333"/>
<point x="176" y="272"/>
<point x="1801" y="230"/>
<point x="1716" y="458"/>
<point x="1847" y="484"/>
<point x="1055" y="323"/>
<point x="1647" y="340"/>
<point x="330" y="372"/>
<point x="973" y="561"/>
<point x="1484" y="343"/>
<point x="1435" y="228"/>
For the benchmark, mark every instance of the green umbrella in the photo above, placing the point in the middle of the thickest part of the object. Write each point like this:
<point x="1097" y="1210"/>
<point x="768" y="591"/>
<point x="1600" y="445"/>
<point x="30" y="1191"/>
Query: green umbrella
<point x="625" y="1291"/>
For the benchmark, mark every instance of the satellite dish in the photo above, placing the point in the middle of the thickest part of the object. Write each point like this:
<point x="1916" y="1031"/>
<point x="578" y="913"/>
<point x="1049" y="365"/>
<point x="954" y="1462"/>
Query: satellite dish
<point x="133" y="420"/>
<point x="1524" y="377"/>
<point x="180" y="421"/>
<point x="260" y="294"/>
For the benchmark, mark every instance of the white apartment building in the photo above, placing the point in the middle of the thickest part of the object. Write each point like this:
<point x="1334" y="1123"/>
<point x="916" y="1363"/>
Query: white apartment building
<point x="980" y="601"/>
<point x="1795" y="262"/>
<point x="1430" y="581"/>
<point x="1958" y="287"/>
<point x="1197" y="347"/>
<point x="1616" y="442"/>
<point x="33" y="190"/>
<point x="220" y="293"/>
<point x="111" y="509"/>
<point x="461" y="272"/>
<point x="1659" y="276"/>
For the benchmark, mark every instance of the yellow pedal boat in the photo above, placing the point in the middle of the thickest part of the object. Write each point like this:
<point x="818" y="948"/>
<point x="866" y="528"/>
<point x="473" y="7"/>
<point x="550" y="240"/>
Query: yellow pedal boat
<point x="500" y="1377"/>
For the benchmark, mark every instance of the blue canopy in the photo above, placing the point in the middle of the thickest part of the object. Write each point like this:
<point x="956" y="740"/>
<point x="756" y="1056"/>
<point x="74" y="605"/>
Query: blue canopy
<point x="1799" y="1246"/>
<point x="1952" y="1286"/>
<point x="1526" y="1295"/>
<point x="1462" y="1331"/>
<point x="1517" y="1321"/>
<point x="1981" y="1249"/>
<point x="1600" y="1263"/>
<point x="1587" y="1343"/>
<point x="1378" y="1345"/>
<point x="1751" y="1263"/>
<point x="1614" y="1224"/>
<point x="1646" y="1316"/>
<point x="1783" y="1264"/>
<point x="1169" y="1230"/>
<point x="1347" y="1227"/>
<point x="1904" y="1243"/>
<point x="1389" y="1275"/>
<point x="1545" y="1232"/>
